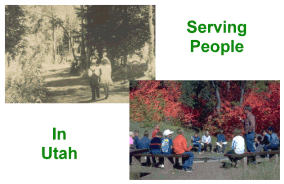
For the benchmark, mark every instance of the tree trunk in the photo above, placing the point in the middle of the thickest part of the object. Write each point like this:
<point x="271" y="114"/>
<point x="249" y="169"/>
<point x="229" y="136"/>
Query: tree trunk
<point x="218" y="107"/>
<point x="69" y="50"/>
<point x="125" y="60"/>
<point x="82" y="36"/>
<point x="243" y="85"/>
<point x="109" y="56"/>
<point x="88" y="43"/>
<point x="100" y="54"/>
<point x="54" y="43"/>
<point x="151" y="63"/>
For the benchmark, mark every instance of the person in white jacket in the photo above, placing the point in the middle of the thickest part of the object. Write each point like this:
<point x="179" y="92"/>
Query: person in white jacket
<point x="206" y="140"/>
<point x="238" y="146"/>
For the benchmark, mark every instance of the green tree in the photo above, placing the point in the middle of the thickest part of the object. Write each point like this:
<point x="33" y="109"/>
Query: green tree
<point x="14" y="29"/>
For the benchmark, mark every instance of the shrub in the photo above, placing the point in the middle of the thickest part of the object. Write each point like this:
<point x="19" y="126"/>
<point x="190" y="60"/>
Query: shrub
<point x="23" y="80"/>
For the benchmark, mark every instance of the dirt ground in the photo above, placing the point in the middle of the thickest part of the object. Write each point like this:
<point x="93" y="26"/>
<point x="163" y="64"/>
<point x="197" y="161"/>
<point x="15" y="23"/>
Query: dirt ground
<point x="64" y="87"/>
<point x="211" y="170"/>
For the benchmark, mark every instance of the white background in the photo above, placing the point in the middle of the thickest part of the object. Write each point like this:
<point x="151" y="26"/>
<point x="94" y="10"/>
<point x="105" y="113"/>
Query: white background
<point x="99" y="132"/>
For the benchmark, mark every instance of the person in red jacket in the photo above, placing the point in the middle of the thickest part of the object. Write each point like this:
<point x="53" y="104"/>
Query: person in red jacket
<point x="155" y="131"/>
<point x="180" y="147"/>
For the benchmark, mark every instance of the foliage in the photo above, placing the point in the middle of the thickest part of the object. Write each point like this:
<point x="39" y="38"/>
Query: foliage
<point x="194" y="102"/>
<point x="14" y="28"/>
<point x="23" y="80"/>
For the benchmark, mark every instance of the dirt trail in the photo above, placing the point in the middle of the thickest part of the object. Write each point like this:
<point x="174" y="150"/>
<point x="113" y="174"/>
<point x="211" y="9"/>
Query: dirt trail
<point x="64" y="87"/>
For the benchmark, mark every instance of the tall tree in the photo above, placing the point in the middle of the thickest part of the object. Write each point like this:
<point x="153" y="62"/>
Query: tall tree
<point x="151" y="64"/>
<point x="14" y="29"/>
<point x="218" y="107"/>
<point x="82" y="36"/>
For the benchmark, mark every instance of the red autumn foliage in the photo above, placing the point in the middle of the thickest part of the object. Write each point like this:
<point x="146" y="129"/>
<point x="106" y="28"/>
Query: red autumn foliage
<point x="156" y="101"/>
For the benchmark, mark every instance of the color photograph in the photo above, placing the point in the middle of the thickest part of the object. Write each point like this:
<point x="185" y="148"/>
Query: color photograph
<point x="204" y="130"/>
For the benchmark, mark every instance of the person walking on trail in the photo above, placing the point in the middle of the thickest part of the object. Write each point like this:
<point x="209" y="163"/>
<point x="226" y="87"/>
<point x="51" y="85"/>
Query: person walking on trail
<point x="106" y="75"/>
<point x="180" y="147"/>
<point x="94" y="74"/>
<point x="249" y="123"/>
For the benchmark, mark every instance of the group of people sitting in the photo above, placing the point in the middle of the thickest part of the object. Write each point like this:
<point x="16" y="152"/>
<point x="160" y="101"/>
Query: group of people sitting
<point x="269" y="140"/>
<point x="206" y="142"/>
<point x="161" y="143"/>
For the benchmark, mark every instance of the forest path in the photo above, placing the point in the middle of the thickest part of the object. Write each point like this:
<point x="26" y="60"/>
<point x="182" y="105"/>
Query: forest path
<point x="64" y="87"/>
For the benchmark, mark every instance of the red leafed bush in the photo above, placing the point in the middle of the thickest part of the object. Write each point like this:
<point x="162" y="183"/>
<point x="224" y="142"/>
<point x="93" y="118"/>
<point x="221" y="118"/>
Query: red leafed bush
<point x="156" y="101"/>
<point x="265" y="106"/>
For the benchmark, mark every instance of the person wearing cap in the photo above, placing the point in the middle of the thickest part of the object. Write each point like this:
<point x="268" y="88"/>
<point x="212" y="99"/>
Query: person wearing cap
<point x="249" y="123"/>
<point x="180" y="147"/>
<point x="273" y="140"/>
<point x="167" y="145"/>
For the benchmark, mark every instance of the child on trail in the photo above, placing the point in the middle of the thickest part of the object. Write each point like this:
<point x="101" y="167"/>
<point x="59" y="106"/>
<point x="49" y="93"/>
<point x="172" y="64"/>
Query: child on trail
<point x="238" y="146"/>
<point x="196" y="142"/>
<point x="180" y="147"/>
<point x="155" y="130"/>
<point x="136" y="139"/>
<point x="206" y="139"/>
<point x="106" y="74"/>
<point x="221" y="142"/>
<point x="155" y="147"/>
<point x="167" y="145"/>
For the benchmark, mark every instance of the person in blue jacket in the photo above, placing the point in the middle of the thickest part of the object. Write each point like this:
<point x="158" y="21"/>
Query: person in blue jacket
<point x="136" y="139"/>
<point x="155" y="147"/>
<point x="167" y="146"/>
<point x="144" y="143"/>
<point x="196" y="142"/>
<point x="273" y="140"/>
<point x="221" y="139"/>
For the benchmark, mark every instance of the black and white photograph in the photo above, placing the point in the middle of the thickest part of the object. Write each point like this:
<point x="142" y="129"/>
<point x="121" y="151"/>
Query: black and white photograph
<point x="77" y="53"/>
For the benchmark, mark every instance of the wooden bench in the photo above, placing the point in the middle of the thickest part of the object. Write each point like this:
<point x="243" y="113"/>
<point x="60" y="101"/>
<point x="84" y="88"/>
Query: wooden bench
<point x="168" y="164"/>
<point x="244" y="157"/>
